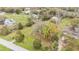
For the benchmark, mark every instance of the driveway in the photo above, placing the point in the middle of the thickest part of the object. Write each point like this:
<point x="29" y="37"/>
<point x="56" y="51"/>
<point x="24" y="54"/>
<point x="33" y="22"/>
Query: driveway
<point x="11" y="45"/>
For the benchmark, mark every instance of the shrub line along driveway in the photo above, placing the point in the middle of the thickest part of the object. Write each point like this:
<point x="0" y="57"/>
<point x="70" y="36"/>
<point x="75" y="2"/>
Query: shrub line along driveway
<point x="11" y="45"/>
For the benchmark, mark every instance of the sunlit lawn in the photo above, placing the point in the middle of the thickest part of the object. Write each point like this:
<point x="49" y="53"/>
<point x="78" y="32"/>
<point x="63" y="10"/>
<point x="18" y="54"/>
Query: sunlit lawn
<point x="3" y="48"/>
<point x="65" y="22"/>
<point x="28" y="40"/>
<point x="17" y="17"/>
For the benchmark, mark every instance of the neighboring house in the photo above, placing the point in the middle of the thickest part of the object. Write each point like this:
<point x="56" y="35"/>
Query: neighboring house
<point x="35" y="18"/>
<point x="27" y="11"/>
<point x="9" y="22"/>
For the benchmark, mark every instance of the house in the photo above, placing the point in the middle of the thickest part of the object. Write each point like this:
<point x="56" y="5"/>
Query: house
<point x="27" y="11"/>
<point x="9" y="22"/>
<point x="5" y="21"/>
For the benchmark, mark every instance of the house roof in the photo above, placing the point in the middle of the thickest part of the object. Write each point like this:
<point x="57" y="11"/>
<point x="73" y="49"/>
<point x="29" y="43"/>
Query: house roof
<point x="9" y="22"/>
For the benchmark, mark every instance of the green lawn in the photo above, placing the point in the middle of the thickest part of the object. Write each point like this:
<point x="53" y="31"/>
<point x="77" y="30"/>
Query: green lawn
<point x="65" y="22"/>
<point x="3" y="48"/>
<point x="18" y="17"/>
<point x="28" y="40"/>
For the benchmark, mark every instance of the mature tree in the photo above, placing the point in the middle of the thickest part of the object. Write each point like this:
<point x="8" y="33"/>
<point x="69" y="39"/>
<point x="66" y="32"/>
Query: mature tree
<point x="29" y="22"/>
<point x="46" y="33"/>
<point x="18" y="11"/>
<point x="37" y="44"/>
<point x="20" y="26"/>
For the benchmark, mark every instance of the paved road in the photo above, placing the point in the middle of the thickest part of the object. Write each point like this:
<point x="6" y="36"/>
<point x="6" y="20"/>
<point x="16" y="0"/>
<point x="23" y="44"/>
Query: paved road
<point x="11" y="45"/>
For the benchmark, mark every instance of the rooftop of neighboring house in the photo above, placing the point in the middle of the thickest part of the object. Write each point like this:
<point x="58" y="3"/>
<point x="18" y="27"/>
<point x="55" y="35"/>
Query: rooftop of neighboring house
<point x="9" y="22"/>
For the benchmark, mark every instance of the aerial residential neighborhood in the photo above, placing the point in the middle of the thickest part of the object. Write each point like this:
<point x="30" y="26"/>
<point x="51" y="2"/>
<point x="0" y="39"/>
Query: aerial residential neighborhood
<point x="39" y="29"/>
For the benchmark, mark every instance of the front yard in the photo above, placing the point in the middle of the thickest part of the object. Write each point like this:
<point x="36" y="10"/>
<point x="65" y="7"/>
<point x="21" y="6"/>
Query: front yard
<point x="28" y="40"/>
<point x="3" y="48"/>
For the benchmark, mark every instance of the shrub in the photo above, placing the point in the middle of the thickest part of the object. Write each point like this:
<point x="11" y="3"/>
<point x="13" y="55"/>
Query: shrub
<point x="8" y="10"/>
<point x="70" y="15"/>
<point x="29" y="22"/>
<point x="45" y="18"/>
<point x="45" y="48"/>
<point x="18" y="11"/>
<point x="4" y="30"/>
<point x="52" y="12"/>
<point x="55" y="37"/>
<point x="55" y="45"/>
<point x="13" y="27"/>
<point x="2" y="9"/>
<point x="74" y="21"/>
<point x="71" y="9"/>
<point x="47" y="34"/>
<point x="37" y="44"/>
<point x="20" y="26"/>
<point x="19" y="37"/>
<point x="71" y="45"/>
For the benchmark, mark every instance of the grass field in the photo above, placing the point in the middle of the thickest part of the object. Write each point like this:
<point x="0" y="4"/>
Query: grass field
<point x="3" y="48"/>
<point x="65" y="22"/>
<point x="17" y="17"/>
